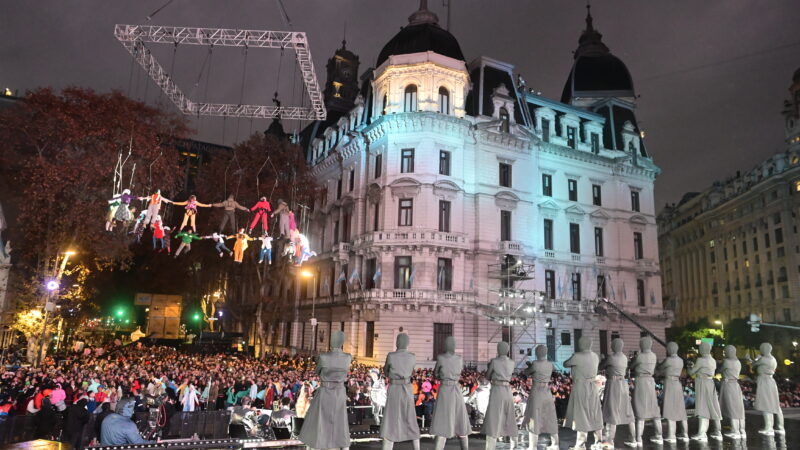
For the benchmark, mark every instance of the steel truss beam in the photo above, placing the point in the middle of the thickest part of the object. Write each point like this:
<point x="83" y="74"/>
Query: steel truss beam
<point x="134" y="37"/>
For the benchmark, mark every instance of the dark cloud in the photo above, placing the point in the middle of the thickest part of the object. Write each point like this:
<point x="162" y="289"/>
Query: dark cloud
<point x="712" y="75"/>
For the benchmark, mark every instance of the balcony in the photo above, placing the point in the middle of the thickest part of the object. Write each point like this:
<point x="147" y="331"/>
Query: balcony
<point x="600" y="259"/>
<point x="570" y="306"/>
<point x="646" y="263"/>
<point x="413" y="237"/>
<point x="416" y="295"/>
<point x="510" y="247"/>
<point x="341" y="251"/>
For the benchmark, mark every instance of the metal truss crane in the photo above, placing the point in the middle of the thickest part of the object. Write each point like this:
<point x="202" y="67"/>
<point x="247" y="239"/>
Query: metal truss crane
<point x="134" y="37"/>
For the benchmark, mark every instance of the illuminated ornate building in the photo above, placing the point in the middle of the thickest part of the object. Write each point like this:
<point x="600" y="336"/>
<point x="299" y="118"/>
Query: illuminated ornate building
<point x="733" y="249"/>
<point x="457" y="201"/>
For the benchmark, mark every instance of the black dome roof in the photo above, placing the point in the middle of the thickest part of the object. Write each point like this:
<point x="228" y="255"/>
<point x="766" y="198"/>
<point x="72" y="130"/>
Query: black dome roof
<point x="421" y="35"/>
<point x="595" y="68"/>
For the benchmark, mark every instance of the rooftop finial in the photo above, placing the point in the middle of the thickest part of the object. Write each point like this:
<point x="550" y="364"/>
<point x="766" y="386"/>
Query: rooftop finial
<point x="423" y="15"/>
<point x="589" y="26"/>
<point x="344" y="36"/>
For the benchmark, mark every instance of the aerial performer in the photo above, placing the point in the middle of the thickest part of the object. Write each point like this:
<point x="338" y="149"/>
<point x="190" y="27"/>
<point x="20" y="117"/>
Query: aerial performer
<point x="190" y="210"/>
<point x="305" y="249"/>
<point x="112" y="211"/>
<point x="266" y="249"/>
<point x="261" y="208"/>
<point x="240" y="245"/>
<point x="283" y="213"/>
<point x="186" y="238"/>
<point x="219" y="243"/>
<point x="230" y="206"/>
<point x="159" y="231"/>
<point x="153" y="206"/>
<point x="138" y="226"/>
<point x="123" y="213"/>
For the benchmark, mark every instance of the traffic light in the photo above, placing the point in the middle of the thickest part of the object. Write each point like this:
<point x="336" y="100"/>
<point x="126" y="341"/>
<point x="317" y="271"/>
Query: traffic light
<point x="755" y="323"/>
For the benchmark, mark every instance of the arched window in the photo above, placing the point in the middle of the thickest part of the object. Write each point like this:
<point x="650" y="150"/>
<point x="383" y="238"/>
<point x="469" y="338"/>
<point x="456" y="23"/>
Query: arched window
<point x="631" y="147"/>
<point x="410" y="102"/>
<point x="444" y="100"/>
<point x="385" y="103"/>
<point x="505" y="125"/>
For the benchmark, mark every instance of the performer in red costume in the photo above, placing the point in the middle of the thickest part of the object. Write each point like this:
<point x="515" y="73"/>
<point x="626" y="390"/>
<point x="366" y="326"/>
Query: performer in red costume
<point x="261" y="209"/>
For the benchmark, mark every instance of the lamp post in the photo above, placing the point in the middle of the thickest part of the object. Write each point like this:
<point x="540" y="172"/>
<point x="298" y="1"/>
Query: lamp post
<point x="721" y="326"/>
<point x="52" y="286"/>
<point x="313" y="276"/>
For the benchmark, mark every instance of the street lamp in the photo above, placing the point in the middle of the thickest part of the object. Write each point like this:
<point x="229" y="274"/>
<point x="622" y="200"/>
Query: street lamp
<point x="52" y="286"/>
<point x="313" y="276"/>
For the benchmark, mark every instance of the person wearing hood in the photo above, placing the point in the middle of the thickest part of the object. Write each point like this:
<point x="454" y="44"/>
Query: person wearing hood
<point x="77" y="417"/>
<point x="119" y="429"/>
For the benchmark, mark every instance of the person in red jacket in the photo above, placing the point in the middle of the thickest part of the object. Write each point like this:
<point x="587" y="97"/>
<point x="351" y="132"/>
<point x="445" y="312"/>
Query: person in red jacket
<point x="261" y="209"/>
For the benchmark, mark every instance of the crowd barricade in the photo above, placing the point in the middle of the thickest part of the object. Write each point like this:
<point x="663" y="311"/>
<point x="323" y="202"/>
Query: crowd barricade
<point x="17" y="429"/>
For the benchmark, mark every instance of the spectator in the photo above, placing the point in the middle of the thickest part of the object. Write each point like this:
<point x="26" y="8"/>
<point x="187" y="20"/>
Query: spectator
<point x="76" y="418"/>
<point x="119" y="429"/>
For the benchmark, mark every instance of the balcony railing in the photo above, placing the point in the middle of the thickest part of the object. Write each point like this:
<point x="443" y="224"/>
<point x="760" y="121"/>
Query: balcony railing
<point x="582" y="306"/>
<point x="401" y="295"/>
<point x="512" y="247"/>
<point x="403" y="237"/>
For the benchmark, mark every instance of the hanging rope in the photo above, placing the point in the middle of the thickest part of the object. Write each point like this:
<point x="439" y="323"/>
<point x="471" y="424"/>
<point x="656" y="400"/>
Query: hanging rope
<point x="241" y="88"/>
<point x="258" y="190"/>
<point x="150" y="172"/>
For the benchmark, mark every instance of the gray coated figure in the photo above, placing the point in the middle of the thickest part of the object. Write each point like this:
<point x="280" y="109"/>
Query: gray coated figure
<point x="617" y="408"/>
<point x="584" y="412"/>
<point x="706" y="400"/>
<point x="540" y="412"/>
<point x="767" y="400"/>
<point x="399" y="422"/>
<point x="500" y="420"/>
<point x="731" y="401"/>
<point x="450" y="412"/>
<point x="645" y="401"/>
<point x="673" y="408"/>
<point x="325" y="425"/>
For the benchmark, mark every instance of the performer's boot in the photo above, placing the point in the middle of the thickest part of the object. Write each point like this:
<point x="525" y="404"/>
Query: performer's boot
<point x="387" y="445"/>
<point x="415" y="444"/>
<point x="717" y="434"/>
<point x="657" y="439"/>
<point x="702" y="430"/>
<point x="631" y="442"/>
<point x="580" y="441"/>
<point x="512" y="441"/>
<point x="438" y="443"/>
<point x="533" y="439"/>
<point x="734" y="434"/>
<point x="464" y="441"/>
<point x="611" y="432"/>
<point x="742" y="432"/>
<point x="779" y="422"/>
<point x="491" y="442"/>
<point x="553" y="442"/>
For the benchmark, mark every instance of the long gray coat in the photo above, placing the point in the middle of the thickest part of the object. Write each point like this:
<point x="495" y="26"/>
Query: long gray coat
<point x="616" y="398"/>
<point x="325" y="424"/>
<point x="500" y="419"/>
<point x="541" y="407"/>
<point x="673" y="407"/>
<point x="767" y="399"/>
<point x="645" y="401"/>
<point x="584" y="412"/>
<point x="706" y="400"/>
<point x="399" y="417"/>
<point x="731" y="402"/>
<point x="450" y="412"/>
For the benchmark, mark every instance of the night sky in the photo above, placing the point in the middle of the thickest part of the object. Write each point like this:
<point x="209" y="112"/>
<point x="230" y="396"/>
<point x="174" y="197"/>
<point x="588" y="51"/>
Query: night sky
<point x="712" y="75"/>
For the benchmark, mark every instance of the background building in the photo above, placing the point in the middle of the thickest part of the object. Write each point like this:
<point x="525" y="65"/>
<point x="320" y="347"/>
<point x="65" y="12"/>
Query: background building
<point x="733" y="249"/>
<point x="458" y="202"/>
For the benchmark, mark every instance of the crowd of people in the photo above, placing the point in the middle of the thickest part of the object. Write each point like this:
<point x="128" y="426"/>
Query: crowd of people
<point x="115" y="383"/>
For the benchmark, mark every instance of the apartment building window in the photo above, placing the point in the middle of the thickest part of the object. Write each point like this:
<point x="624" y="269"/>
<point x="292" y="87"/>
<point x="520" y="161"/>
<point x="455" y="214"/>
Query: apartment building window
<point x="712" y="256"/>
<point x="407" y="160"/>
<point x="755" y="244"/>
<point x="576" y="286"/>
<point x="598" y="241"/>
<point x="571" y="137"/>
<point x="778" y="236"/>
<point x="640" y="292"/>
<point x="597" y="197"/>
<point x="444" y="163"/>
<point x="369" y="273"/>
<point x="566" y="338"/>
<point x="444" y="216"/>
<point x="574" y="238"/>
<point x="505" y="120"/>
<point x="444" y="274"/>
<point x="505" y="225"/>
<point x="378" y="165"/>
<point x="766" y="240"/>
<point x="351" y="182"/>
<point x="376" y="216"/>
<point x="635" y="201"/>
<point x="402" y="272"/>
<point x="444" y="100"/>
<point x="546" y="129"/>
<point x="335" y="232"/>
<point x="638" y="251"/>
<point x="410" y="98"/>
<point x="548" y="234"/>
<point x="572" y="187"/>
<point x="348" y="214"/>
<point x="505" y="175"/>
<point x="744" y="247"/>
<point x="406" y="212"/>
<point x="776" y="218"/>
<point x="369" y="339"/>
<point x="595" y="139"/>
<point x="547" y="185"/>
<point x="339" y="188"/>
<point x="601" y="286"/>
<point x="550" y="284"/>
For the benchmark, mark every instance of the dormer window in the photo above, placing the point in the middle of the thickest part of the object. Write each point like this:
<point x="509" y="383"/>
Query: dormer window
<point x="410" y="101"/>
<point x="385" y="103"/>
<point x="504" y="120"/>
<point x="444" y="100"/>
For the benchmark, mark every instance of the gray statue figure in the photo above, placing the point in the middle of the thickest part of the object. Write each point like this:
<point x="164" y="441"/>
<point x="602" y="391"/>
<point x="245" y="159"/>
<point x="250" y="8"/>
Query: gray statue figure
<point x="450" y="412"/>
<point x="673" y="408"/>
<point x="325" y="425"/>
<point x="584" y="413"/>
<point x="767" y="400"/>
<point x="399" y="422"/>
<point x="500" y="420"/>
<point x="731" y="401"/>
<point x="706" y="401"/>
<point x="645" y="400"/>
<point x="616" y="398"/>
<point x="540" y="412"/>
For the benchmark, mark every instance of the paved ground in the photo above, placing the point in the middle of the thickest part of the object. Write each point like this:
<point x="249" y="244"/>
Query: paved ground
<point x="754" y="439"/>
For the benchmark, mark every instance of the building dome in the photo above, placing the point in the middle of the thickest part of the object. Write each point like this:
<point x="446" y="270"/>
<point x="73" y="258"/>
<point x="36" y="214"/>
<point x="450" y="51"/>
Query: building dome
<point x="596" y="70"/>
<point x="422" y="34"/>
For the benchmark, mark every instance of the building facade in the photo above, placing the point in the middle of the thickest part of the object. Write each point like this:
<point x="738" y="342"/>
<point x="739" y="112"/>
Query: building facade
<point x="733" y="249"/>
<point x="458" y="202"/>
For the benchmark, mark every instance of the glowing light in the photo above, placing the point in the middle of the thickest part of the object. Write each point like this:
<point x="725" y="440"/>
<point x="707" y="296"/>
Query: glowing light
<point x="120" y="313"/>
<point x="197" y="317"/>
<point x="52" y="285"/>
<point x="70" y="252"/>
<point x="717" y="322"/>
<point x="307" y="274"/>
<point x="7" y="92"/>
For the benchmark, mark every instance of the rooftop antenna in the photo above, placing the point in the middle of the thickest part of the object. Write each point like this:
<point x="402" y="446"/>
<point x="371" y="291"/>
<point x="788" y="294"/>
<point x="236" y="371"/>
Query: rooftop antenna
<point x="447" y="4"/>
